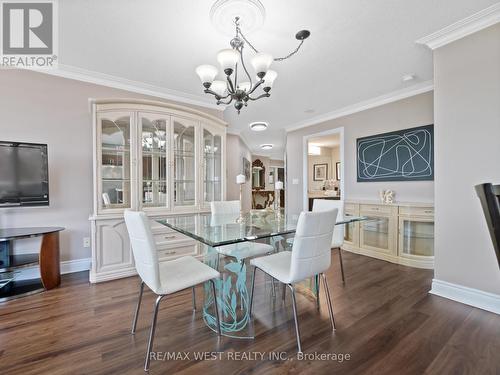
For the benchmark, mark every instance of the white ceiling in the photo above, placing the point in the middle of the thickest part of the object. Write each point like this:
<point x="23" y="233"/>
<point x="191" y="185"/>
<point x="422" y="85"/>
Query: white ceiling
<point x="332" y="140"/>
<point x="358" y="49"/>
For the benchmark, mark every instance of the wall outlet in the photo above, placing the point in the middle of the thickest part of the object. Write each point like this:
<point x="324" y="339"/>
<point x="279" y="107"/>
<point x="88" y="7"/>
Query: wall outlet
<point x="86" y="241"/>
<point x="295" y="181"/>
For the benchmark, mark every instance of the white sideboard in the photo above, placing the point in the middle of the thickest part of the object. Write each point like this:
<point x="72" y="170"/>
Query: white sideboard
<point x="163" y="159"/>
<point x="401" y="233"/>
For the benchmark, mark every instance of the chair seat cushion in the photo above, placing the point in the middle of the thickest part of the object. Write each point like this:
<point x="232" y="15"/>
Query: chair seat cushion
<point x="183" y="273"/>
<point x="245" y="250"/>
<point x="277" y="265"/>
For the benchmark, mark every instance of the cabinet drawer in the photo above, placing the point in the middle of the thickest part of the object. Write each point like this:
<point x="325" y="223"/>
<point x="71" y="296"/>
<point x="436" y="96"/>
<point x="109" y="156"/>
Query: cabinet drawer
<point x="176" y="252"/>
<point x="170" y="238"/>
<point x="416" y="211"/>
<point x="372" y="208"/>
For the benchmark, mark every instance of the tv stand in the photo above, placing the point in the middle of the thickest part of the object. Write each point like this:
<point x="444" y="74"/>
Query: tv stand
<point x="47" y="259"/>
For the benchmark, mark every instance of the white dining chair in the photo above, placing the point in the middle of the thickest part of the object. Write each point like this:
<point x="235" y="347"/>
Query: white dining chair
<point x="163" y="278"/>
<point x="242" y="250"/>
<point x="310" y="257"/>
<point x="338" y="232"/>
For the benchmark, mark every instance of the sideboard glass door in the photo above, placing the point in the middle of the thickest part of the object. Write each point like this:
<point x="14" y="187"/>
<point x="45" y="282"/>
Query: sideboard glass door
<point x="375" y="233"/>
<point x="212" y="166"/>
<point x="416" y="237"/>
<point x="153" y="165"/>
<point x="114" y="160"/>
<point x="184" y="160"/>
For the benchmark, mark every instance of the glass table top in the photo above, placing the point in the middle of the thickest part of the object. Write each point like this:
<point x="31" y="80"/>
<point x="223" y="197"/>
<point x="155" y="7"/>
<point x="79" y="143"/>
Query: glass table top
<point x="219" y="230"/>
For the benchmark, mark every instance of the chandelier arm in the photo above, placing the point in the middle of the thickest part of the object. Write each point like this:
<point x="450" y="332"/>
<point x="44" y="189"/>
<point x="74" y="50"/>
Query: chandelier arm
<point x="208" y="91"/>
<point x="265" y="95"/>
<point x="245" y="68"/>
<point x="238" y="30"/>
<point x="228" y="102"/>
<point x="230" y="83"/>
<point x="256" y="85"/>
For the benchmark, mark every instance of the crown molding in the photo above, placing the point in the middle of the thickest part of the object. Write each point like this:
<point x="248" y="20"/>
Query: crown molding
<point x="378" y="101"/>
<point x="467" y="26"/>
<point x="88" y="76"/>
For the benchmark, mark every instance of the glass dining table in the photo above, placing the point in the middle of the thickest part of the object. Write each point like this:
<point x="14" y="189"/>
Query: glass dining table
<point x="214" y="231"/>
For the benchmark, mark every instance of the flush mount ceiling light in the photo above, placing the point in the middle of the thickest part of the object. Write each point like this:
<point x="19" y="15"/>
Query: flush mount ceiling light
<point x="258" y="126"/>
<point x="267" y="146"/>
<point x="232" y="61"/>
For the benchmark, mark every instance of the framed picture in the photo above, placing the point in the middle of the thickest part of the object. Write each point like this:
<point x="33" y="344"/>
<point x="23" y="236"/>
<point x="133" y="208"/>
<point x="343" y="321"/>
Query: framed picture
<point x="320" y="172"/>
<point x="337" y="170"/>
<point x="246" y="168"/>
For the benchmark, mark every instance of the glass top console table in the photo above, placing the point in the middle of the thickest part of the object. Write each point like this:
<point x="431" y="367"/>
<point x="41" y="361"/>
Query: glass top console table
<point x="233" y="287"/>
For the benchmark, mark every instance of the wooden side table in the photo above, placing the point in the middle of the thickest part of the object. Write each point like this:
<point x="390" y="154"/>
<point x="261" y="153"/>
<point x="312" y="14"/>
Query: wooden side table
<point x="47" y="259"/>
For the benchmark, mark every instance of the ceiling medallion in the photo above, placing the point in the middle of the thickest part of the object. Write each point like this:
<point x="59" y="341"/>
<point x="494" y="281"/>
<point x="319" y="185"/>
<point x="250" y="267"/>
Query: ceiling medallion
<point x="251" y="13"/>
<point x="230" y="59"/>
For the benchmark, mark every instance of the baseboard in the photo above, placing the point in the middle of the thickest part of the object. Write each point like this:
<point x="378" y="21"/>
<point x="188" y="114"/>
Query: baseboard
<point x="469" y="296"/>
<point x="77" y="265"/>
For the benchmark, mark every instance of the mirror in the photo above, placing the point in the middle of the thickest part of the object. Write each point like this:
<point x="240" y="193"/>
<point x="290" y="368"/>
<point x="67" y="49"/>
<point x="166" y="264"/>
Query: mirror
<point x="258" y="175"/>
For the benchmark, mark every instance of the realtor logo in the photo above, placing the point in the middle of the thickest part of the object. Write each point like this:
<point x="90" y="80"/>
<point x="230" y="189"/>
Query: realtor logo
<point x="28" y="34"/>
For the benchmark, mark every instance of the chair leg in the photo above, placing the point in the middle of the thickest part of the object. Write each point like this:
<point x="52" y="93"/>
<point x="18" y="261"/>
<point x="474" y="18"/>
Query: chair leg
<point x="152" y="333"/>
<point x="328" y="299"/>
<point x="316" y="280"/>
<point x="216" y="307"/>
<point x="284" y="292"/>
<point x="341" y="265"/>
<point x="251" y="291"/>
<point x="294" y="304"/>
<point x="138" y="307"/>
<point x="194" y="298"/>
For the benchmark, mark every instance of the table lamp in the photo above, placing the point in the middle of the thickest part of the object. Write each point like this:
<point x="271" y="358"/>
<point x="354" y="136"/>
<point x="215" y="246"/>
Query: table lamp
<point x="277" y="187"/>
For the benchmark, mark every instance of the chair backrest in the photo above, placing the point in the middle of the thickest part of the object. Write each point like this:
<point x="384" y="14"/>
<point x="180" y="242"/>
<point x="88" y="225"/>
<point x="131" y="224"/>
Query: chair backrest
<point x="312" y="243"/>
<point x="225" y="207"/>
<point x="489" y="195"/>
<point x="330" y="204"/>
<point x="143" y="248"/>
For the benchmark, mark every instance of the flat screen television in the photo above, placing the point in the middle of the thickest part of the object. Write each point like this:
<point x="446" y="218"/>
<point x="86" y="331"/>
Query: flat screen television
<point x="24" y="174"/>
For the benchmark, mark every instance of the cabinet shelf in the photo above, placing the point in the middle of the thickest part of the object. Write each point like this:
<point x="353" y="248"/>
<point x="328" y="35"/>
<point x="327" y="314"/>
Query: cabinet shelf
<point x="19" y="261"/>
<point x="20" y="288"/>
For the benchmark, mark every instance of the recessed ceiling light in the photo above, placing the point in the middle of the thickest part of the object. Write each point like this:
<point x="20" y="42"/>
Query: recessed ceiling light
<point x="258" y="126"/>
<point x="266" y="146"/>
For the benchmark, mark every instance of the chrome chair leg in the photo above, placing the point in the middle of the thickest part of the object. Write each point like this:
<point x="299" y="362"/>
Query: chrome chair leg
<point x="341" y="265"/>
<point x="328" y="299"/>
<point x="138" y="307"/>
<point x="216" y="307"/>
<point x="152" y="333"/>
<point x="251" y="291"/>
<point x="284" y="292"/>
<point x="194" y="298"/>
<point x="316" y="280"/>
<point x="294" y="304"/>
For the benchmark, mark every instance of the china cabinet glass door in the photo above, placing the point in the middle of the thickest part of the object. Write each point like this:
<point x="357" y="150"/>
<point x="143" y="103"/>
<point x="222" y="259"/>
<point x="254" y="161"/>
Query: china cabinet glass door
<point x="184" y="162"/>
<point x="375" y="233"/>
<point x="114" y="159"/>
<point x="416" y="237"/>
<point x="212" y="166"/>
<point x="153" y="133"/>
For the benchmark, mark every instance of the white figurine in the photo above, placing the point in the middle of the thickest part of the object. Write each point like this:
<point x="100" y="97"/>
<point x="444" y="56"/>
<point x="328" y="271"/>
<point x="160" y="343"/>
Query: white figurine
<point x="387" y="196"/>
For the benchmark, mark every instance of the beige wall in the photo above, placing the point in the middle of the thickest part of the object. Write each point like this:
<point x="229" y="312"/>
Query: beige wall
<point x="236" y="151"/>
<point x="407" y="113"/>
<point x="467" y="103"/>
<point x="39" y="108"/>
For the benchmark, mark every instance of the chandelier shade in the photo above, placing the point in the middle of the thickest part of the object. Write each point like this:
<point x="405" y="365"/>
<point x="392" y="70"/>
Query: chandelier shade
<point x="245" y="86"/>
<point x="207" y="73"/>
<point x="228" y="58"/>
<point x="261" y="63"/>
<point x="219" y="87"/>
<point x="269" y="78"/>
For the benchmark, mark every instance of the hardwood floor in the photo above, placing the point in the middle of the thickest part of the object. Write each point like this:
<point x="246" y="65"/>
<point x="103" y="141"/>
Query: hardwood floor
<point x="386" y="322"/>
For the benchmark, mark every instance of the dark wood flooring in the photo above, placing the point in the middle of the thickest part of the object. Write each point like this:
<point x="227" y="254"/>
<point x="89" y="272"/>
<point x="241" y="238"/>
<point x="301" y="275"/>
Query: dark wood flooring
<point x="386" y="322"/>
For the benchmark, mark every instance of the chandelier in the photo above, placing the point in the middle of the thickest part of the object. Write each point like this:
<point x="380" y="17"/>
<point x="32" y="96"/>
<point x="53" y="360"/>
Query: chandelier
<point x="234" y="87"/>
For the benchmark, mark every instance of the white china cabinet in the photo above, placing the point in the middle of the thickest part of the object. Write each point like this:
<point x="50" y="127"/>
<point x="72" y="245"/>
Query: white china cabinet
<point x="152" y="156"/>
